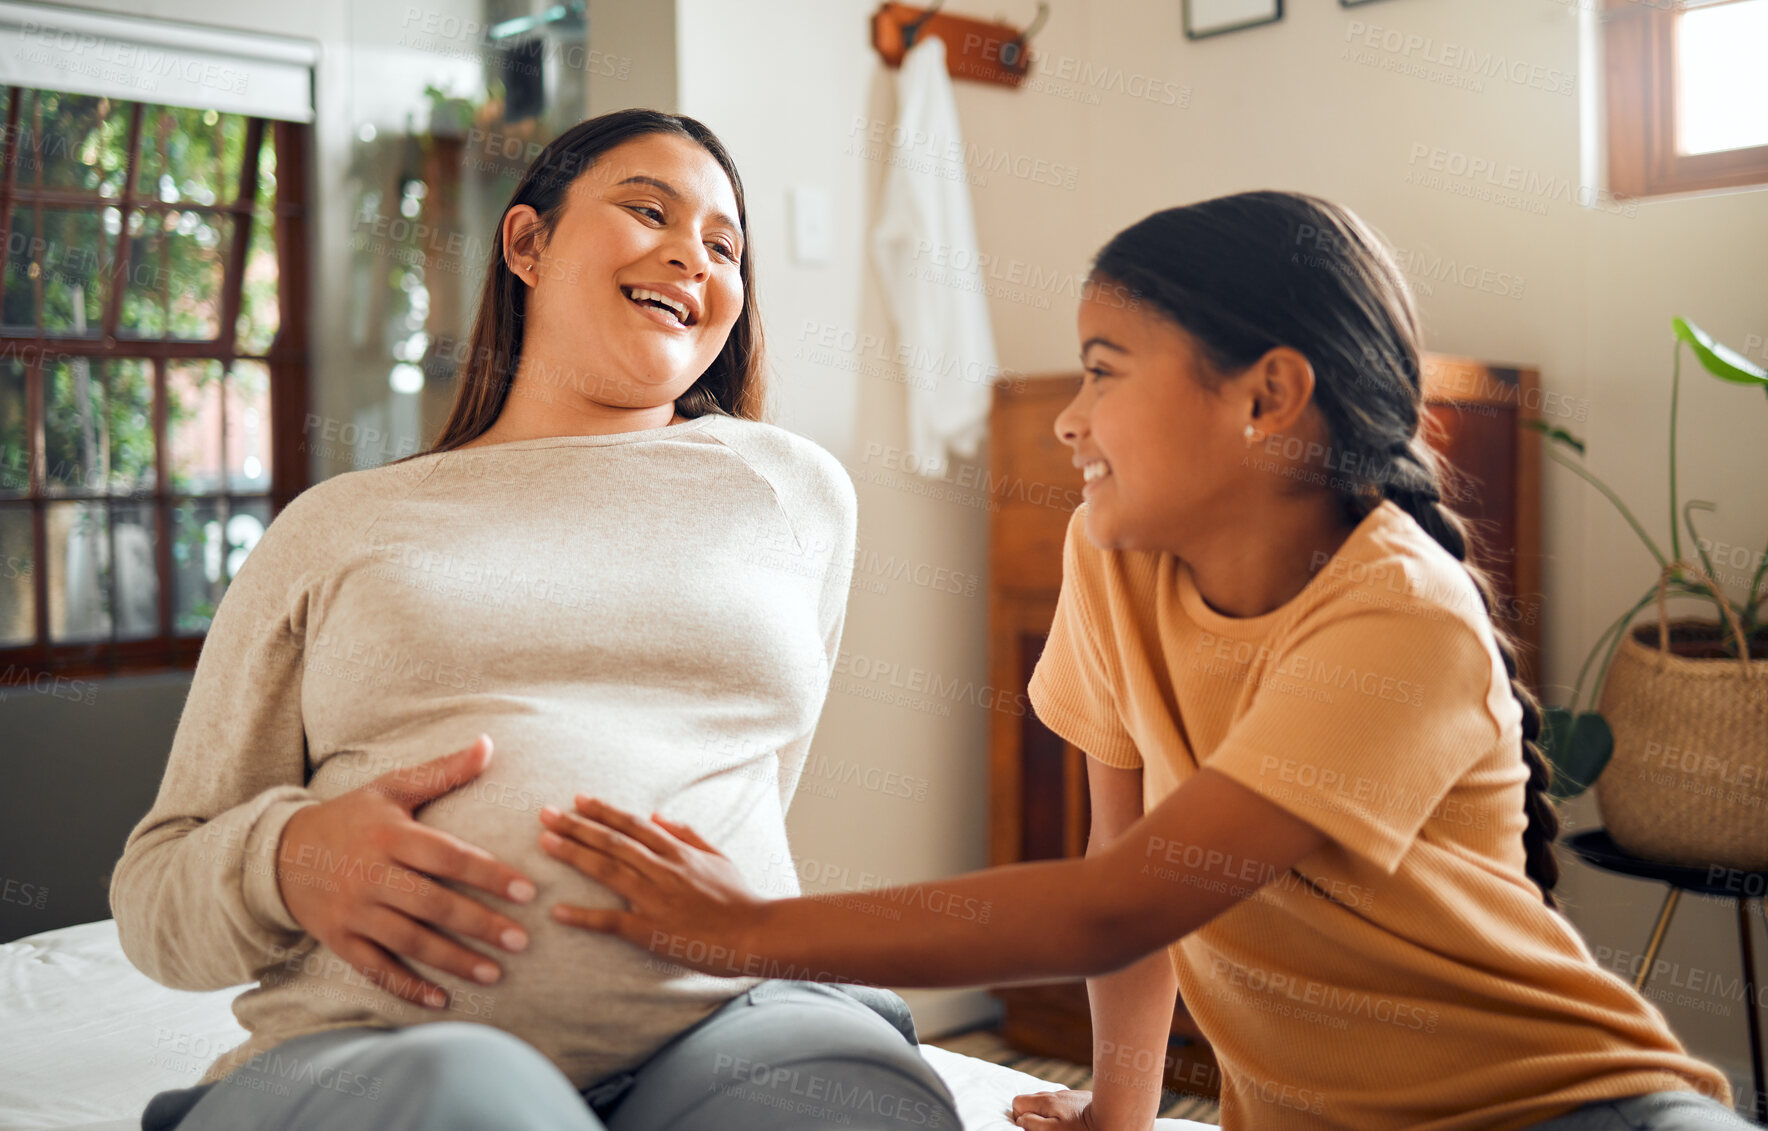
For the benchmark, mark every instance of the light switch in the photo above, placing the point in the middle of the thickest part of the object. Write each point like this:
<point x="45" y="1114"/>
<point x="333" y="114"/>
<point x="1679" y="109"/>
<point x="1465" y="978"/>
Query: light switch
<point x="812" y="226"/>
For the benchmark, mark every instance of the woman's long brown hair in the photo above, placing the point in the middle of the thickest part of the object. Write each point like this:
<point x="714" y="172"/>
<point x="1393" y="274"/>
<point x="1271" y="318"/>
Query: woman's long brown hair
<point x="733" y="385"/>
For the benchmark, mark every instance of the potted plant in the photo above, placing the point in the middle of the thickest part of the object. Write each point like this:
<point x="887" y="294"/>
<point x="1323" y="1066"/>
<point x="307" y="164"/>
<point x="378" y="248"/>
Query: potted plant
<point x="1677" y="714"/>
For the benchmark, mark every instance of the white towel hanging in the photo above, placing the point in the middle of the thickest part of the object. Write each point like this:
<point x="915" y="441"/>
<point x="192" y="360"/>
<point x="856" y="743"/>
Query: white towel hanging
<point x="924" y="246"/>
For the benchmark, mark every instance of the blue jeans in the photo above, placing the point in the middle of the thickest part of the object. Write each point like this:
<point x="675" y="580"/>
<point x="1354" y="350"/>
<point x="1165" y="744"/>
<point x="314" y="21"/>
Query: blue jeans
<point x="784" y="1055"/>
<point x="1654" y="1111"/>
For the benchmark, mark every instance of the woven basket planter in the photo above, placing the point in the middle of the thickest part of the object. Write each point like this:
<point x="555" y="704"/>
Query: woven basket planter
<point x="1688" y="781"/>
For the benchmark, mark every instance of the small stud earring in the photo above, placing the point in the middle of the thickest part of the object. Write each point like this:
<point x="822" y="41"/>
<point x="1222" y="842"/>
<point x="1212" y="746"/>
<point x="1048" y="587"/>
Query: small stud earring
<point x="1251" y="434"/>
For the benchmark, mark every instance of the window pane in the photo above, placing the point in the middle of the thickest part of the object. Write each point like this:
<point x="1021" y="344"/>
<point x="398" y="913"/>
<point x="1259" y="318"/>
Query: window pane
<point x="15" y="455"/>
<point x="98" y="425"/>
<point x="196" y="565"/>
<point x="193" y="426"/>
<point x="190" y="155"/>
<point x="79" y="577"/>
<point x="147" y="289"/>
<point x="59" y="258"/>
<point x="210" y="541"/>
<point x="76" y="446"/>
<point x="267" y="168"/>
<point x="1722" y="102"/>
<point x="248" y="427"/>
<point x="129" y="399"/>
<point x="175" y="267"/>
<point x="138" y="582"/>
<point x="259" y="315"/>
<point x="72" y="141"/>
<point x="18" y="599"/>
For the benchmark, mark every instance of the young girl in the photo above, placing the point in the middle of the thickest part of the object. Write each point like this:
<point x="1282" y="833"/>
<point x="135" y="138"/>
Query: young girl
<point x="1318" y="809"/>
<point x="613" y="568"/>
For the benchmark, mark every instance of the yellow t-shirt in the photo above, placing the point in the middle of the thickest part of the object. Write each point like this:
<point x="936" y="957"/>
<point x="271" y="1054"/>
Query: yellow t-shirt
<point x="1406" y="973"/>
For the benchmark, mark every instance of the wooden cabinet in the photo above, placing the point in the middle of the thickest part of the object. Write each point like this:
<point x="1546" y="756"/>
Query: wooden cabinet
<point x="1038" y="790"/>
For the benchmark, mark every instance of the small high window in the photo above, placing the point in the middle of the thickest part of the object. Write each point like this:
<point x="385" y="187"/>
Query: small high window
<point x="1687" y="107"/>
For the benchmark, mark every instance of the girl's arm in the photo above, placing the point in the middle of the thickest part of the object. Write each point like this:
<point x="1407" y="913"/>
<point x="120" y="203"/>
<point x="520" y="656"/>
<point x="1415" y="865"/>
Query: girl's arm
<point x="1210" y="844"/>
<point x="1133" y="1007"/>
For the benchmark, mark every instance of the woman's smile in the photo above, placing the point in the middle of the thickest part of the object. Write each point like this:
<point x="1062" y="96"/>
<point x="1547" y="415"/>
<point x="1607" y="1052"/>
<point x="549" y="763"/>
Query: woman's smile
<point x="669" y="307"/>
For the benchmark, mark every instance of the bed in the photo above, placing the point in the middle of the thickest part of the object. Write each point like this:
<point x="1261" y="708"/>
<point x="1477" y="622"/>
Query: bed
<point x="85" y="1039"/>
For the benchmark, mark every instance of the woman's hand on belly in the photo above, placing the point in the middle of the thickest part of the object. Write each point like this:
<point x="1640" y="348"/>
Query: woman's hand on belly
<point x="688" y="900"/>
<point x="359" y="874"/>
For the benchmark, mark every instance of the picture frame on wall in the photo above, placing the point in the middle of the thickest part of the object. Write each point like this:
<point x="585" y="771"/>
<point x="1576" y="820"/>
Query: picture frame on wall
<point x="1204" y="18"/>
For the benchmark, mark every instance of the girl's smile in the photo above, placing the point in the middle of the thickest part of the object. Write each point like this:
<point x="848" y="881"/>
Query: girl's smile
<point x="1143" y="424"/>
<point x="1092" y="471"/>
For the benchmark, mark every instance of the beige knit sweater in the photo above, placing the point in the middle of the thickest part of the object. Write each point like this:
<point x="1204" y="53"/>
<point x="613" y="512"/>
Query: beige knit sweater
<point x="650" y="617"/>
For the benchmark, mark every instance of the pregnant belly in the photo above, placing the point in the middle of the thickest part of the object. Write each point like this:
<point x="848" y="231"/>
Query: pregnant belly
<point x="592" y="1003"/>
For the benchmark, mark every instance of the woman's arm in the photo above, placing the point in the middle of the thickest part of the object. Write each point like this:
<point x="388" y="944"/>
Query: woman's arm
<point x="238" y="861"/>
<point x="1172" y="871"/>
<point x="195" y="893"/>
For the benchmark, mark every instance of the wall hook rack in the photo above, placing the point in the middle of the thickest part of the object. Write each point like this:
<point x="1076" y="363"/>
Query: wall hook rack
<point x="974" y="49"/>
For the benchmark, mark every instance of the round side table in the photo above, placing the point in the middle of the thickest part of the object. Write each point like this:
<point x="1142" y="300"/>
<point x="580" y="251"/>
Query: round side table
<point x="1596" y="848"/>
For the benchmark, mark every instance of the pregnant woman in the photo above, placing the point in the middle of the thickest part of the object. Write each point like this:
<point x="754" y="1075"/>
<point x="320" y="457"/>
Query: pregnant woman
<point x="606" y="576"/>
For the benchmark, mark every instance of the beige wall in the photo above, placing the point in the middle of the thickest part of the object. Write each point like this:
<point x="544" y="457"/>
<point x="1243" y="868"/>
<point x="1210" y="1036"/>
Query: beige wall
<point x="1146" y="119"/>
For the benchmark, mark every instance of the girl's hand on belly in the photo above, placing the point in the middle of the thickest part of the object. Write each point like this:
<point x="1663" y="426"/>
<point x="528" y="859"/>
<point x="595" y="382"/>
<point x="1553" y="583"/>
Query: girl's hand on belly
<point x="688" y="901"/>
<point x="359" y="874"/>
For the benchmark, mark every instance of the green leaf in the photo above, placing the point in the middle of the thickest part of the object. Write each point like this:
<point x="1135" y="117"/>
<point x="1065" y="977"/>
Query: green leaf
<point x="1557" y="435"/>
<point x="1578" y="749"/>
<point x="1719" y="359"/>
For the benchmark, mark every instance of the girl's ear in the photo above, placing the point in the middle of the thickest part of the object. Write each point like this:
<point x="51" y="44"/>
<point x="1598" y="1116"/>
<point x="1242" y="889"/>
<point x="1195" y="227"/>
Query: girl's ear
<point x="1282" y="386"/>
<point x="520" y="234"/>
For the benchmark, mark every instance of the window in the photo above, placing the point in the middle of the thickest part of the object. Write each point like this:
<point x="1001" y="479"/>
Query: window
<point x="152" y="370"/>
<point x="1687" y="108"/>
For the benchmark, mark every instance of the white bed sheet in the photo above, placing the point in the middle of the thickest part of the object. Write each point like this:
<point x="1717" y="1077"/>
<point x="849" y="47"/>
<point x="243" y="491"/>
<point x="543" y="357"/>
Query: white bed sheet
<point x="86" y="1039"/>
